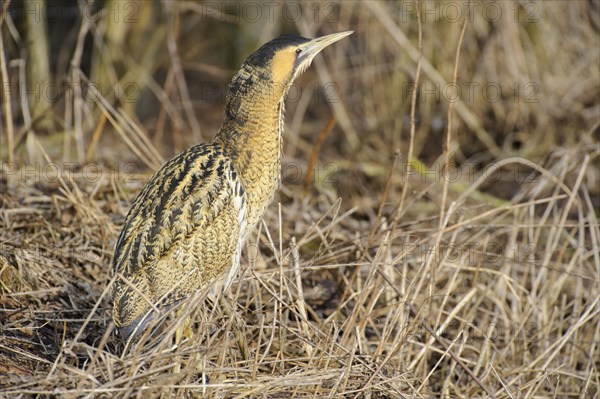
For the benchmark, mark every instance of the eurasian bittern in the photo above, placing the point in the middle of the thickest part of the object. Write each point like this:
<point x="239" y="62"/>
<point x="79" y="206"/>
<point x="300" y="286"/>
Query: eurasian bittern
<point x="187" y="227"/>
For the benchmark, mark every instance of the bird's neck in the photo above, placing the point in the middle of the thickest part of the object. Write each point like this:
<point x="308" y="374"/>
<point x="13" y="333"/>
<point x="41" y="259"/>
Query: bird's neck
<point x="251" y="135"/>
<point x="253" y="117"/>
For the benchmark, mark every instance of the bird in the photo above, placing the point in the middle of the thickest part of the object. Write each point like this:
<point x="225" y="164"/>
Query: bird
<point x="187" y="227"/>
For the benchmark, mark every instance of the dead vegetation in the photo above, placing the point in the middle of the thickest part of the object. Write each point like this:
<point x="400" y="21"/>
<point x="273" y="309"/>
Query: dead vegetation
<point x="428" y="259"/>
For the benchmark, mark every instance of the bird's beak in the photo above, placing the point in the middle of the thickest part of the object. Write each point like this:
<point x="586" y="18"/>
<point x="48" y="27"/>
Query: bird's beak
<point x="313" y="47"/>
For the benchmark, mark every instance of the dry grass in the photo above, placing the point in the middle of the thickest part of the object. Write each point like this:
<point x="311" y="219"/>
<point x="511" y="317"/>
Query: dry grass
<point x="384" y="280"/>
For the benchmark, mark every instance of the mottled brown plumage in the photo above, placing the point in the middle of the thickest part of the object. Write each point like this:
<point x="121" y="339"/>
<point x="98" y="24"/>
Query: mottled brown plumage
<point x="187" y="227"/>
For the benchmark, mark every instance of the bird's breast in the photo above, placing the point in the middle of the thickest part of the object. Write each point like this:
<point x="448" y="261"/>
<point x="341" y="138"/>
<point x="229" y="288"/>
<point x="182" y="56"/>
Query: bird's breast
<point x="260" y="176"/>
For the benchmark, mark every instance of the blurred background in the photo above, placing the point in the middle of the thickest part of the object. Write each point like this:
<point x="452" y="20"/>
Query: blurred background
<point x="130" y="83"/>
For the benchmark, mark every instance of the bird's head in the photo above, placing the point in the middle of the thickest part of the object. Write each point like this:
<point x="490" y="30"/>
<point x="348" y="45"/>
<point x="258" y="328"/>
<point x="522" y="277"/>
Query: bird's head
<point x="287" y="56"/>
<point x="268" y="73"/>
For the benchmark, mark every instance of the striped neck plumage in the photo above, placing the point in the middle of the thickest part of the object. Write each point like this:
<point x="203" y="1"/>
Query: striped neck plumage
<point x="254" y="108"/>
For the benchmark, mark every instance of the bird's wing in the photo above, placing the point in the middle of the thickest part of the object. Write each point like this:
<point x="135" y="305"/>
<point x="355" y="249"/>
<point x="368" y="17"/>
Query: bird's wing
<point x="182" y="231"/>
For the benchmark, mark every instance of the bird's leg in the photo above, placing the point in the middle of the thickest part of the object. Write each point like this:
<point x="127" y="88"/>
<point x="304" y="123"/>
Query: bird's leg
<point x="183" y="331"/>
<point x="232" y="315"/>
<point x="187" y="331"/>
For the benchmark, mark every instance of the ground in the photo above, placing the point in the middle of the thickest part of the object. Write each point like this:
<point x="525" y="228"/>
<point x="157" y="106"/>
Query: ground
<point x="450" y="249"/>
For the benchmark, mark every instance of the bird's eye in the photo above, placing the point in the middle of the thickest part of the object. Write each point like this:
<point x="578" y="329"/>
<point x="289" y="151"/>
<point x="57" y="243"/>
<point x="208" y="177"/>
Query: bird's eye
<point x="298" y="50"/>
